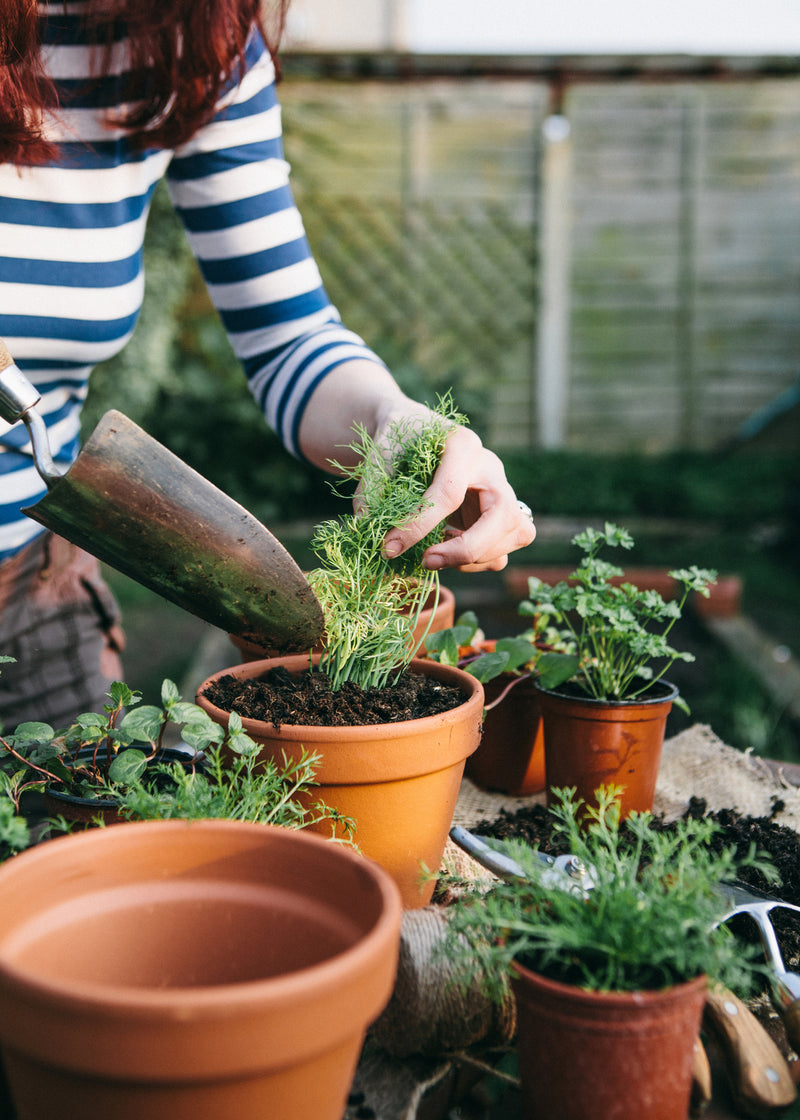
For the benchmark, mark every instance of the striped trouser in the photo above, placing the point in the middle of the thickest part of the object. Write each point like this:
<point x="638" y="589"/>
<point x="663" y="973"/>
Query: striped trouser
<point x="60" y="622"/>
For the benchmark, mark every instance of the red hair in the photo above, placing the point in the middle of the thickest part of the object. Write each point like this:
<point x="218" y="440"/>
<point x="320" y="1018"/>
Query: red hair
<point x="182" y="52"/>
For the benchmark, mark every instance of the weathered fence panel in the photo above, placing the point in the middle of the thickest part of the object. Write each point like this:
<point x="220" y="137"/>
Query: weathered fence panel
<point x="422" y="202"/>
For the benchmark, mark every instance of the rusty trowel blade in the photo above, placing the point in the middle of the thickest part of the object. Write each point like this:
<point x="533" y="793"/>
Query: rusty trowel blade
<point x="139" y="508"/>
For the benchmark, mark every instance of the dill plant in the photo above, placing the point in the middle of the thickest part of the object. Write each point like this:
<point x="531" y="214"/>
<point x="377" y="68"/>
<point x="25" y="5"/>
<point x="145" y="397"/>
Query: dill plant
<point x="372" y="604"/>
<point x="650" y="921"/>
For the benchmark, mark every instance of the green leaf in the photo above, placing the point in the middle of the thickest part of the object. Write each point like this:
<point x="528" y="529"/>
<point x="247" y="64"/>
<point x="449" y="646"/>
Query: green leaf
<point x="487" y="666"/>
<point x="128" y="766"/>
<point x="122" y="696"/>
<point x="450" y="639"/>
<point x="143" y="723"/>
<point x="90" y="721"/>
<point x="169" y="693"/>
<point x="553" y="669"/>
<point x="184" y="712"/>
<point x="520" y="651"/>
<point x="201" y="733"/>
<point x="31" y="732"/>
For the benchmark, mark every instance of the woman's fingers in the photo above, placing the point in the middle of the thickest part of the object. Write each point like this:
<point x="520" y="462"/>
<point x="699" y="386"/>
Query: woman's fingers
<point x="485" y="520"/>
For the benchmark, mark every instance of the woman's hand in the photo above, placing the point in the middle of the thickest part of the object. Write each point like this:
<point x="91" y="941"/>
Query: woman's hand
<point x="469" y="490"/>
<point x="485" y="520"/>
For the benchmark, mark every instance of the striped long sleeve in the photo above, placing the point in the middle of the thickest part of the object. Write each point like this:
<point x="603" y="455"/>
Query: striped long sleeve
<point x="71" y="263"/>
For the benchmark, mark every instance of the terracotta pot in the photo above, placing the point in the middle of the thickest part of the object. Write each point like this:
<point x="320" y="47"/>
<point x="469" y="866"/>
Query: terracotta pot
<point x="175" y="970"/>
<point x="510" y="757"/>
<point x="724" y="599"/>
<point x="398" y="781"/>
<point x="429" y="622"/>
<point x="608" y="1056"/>
<point x="590" y="743"/>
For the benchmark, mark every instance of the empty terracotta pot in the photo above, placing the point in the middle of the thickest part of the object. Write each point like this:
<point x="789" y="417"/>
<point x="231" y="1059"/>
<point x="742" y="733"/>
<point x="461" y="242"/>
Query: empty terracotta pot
<point x="591" y="743"/>
<point x="398" y="781"/>
<point x="202" y="970"/>
<point x="606" y="1055"/>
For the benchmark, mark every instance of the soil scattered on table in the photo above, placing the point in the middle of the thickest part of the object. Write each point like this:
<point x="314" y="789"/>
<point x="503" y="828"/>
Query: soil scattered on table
<point x="281" y="697"/>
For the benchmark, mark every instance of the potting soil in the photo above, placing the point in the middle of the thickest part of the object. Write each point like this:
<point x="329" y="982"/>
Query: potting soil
<point x="307" y="698"/>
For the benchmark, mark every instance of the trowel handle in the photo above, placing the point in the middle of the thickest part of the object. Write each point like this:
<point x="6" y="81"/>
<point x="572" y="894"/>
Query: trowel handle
<point x="17" y="400"/>
<point x="790" y="1016"/>
<point x="758" y="1074"/>
<point x="17" y="394"/>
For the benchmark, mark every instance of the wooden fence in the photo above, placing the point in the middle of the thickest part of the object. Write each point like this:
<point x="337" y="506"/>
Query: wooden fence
<point x="639" y="292"/>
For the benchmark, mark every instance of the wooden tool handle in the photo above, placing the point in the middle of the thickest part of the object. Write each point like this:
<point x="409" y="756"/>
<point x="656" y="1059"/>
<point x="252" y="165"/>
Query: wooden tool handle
<point x="790" y="1014"/>
<point x="758" y="1073"/>
<point x="701" y="1081"/>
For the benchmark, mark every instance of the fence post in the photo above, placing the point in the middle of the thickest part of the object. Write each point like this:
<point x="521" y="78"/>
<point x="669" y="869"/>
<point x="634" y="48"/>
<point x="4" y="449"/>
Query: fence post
<point x="552" y="350"/>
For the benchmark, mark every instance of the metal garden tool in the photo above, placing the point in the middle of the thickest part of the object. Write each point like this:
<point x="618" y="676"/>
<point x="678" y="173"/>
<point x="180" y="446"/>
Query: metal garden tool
<point x="133" y="504"/>
<point x="758" y="905"/>
<point x="758" y="1074"/>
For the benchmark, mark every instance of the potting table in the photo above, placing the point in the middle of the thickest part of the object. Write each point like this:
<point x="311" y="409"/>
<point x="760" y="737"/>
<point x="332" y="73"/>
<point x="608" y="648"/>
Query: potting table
<point x="429" y="1085"/>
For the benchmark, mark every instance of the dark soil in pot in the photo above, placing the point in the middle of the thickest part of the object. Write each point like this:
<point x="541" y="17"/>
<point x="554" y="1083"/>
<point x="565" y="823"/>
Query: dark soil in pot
<point x="306" y="698"/>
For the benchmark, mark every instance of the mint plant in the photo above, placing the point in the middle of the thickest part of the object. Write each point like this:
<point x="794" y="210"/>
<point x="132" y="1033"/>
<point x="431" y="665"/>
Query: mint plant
<point x="114" y="755"/>
<point x="617" y="629"/>
<point x="539" y="652"/>
<point x="371" y="604"/>
<point x="232" y="782"/>
<point x="79" y="759"/>
<point x="15" y="834"/>
<point x="650" y="919"/>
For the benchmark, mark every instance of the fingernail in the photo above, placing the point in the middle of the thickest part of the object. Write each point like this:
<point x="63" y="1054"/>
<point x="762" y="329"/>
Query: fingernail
<point x="391" y="548"/>
<point x="434" y="563"/>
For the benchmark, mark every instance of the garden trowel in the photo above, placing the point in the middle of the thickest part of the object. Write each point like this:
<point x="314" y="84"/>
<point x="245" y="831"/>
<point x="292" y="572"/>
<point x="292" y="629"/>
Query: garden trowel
<point x="758" y="905"/>
<point x="139" y="508"/>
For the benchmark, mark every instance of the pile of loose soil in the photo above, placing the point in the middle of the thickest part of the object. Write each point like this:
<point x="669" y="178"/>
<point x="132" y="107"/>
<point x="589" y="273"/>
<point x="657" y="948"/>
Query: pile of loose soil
<point x="534" y="824"/>
<point x="281" y="697"/>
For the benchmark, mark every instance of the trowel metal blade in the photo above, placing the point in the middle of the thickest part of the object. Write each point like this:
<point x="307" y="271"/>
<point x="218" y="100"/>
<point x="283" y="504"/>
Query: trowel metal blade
<point x="139" y="508"/>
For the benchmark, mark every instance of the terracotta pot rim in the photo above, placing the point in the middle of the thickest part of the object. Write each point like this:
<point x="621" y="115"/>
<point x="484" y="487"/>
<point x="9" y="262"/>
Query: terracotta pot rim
<point x="215" y="1000"/>
<point x="310" y="733"/>
<point x="669" y="693"/>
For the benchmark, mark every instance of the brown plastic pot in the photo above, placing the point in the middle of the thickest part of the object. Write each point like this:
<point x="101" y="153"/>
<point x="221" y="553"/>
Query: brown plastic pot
<point x="176" y="970"/>
<point x="398" y="781"/>
<point x="510" y="757"/>
<point x="86" y="812"/>
<point x="606" y="1055"/>
<point x="591" y="743"/>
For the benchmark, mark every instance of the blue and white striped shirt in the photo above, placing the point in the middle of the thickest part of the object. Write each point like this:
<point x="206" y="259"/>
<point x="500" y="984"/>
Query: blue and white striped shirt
<point x="71" y="234"/>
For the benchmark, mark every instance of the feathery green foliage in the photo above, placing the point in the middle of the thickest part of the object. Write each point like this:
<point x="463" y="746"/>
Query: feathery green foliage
<point x="649" y="921"/>
<point x="371" y="604"/>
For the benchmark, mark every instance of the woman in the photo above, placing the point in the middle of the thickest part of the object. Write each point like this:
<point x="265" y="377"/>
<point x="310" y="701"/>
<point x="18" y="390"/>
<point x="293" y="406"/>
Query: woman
<point x="99" y="99"/>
